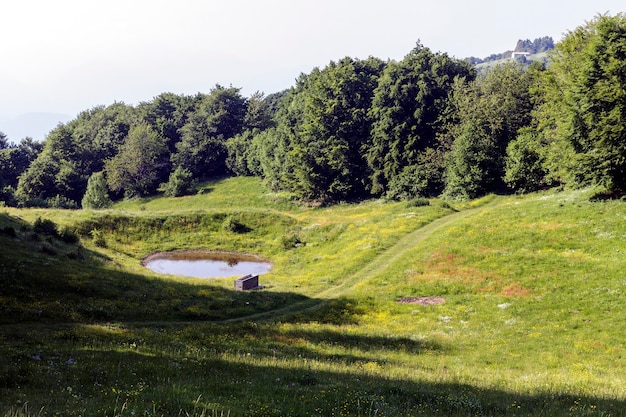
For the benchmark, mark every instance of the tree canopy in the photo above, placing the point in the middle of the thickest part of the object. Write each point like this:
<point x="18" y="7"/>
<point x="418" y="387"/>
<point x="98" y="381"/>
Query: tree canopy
<point x="423" y="126"/>
<point x="585" y="101"/>
<point x="410" y="112"/>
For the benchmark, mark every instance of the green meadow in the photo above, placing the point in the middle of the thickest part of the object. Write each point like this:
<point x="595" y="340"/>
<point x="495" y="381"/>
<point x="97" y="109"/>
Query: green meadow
<point x="502" y="306"/>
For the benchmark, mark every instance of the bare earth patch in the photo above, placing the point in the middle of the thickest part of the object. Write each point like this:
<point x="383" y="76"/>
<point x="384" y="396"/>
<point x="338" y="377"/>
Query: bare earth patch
<point x="424" y="301"/>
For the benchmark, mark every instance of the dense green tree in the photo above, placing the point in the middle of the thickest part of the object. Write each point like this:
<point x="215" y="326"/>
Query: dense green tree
<point x="167" y="113"/>
<point x="472" y="164"/>
<point x="15" y="160"/>
<point x="140" y="165"/>
<point x="330" y="123"/>
<point x="4" y="141"/>
<point x="491" y="110"/>
<point x="243" y="151"/>
<point x="275" y="102"/>
<point x="524" y="164"/>
<point x="97" y="194"/>
<point x="584" y="103"/>
<point x="218" y="117"/>
<point x="49" y="174"/>
<point x="179" y="184"/>
<point x="238" y="148"/>
<point x="96" y="136"/>
<point x="425" y="178"/>
<point x="74" y="151"/>
<point x="536" y="46"/>
<point x="267" y="156"/>
<point x="200" y="151"/>
<point x="258" y="115"/>
<point x="410" y="110"/>
<point x="38" y="183"/>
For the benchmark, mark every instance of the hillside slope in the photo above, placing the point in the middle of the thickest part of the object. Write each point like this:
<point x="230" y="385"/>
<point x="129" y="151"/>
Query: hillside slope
<point x="502" y="306"/>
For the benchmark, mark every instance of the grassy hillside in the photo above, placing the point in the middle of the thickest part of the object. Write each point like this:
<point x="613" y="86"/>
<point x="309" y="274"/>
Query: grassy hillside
<point x="502" y="306"/>
<point x="541" y="57"/>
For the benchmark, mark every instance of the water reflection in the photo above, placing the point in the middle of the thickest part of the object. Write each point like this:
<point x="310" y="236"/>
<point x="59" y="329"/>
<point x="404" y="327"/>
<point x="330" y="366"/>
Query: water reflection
<point x="206" y="264"/>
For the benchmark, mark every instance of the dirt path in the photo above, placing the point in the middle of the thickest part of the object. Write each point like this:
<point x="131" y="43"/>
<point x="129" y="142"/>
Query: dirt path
<point x="375" y="267"/>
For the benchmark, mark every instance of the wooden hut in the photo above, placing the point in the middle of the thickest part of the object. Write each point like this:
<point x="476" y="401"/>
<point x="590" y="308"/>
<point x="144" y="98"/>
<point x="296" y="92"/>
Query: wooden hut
<point x="247" y="282"/>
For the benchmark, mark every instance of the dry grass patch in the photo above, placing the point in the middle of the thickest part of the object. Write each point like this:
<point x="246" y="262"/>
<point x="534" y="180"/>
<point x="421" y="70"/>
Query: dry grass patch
<point x="424" y="301"/>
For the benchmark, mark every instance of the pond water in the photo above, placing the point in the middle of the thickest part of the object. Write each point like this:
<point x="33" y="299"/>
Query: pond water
<point x="206" y="264"/>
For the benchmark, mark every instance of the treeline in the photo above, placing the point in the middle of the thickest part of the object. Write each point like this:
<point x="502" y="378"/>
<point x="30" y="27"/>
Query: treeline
<point x="537" y="46"/>
<point x="136" y="150"/>
<point x="425" y="126"/>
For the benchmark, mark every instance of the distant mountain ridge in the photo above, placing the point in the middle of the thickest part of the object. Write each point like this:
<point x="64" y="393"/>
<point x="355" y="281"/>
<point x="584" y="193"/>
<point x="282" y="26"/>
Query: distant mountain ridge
<point x="35" y="125"/>
<point x="537" y="46"/>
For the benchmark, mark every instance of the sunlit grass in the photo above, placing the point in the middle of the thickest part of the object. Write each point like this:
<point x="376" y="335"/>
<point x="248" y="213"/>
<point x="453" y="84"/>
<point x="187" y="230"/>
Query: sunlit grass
<point x="531" y="321"/>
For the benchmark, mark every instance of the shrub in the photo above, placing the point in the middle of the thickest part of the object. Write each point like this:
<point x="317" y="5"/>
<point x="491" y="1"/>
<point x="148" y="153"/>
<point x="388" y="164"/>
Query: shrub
<point x="9" y="231"/>
<point x="98" y="239"/>
<point x="418" y="202"/>
<point x="45" y="227"/>
<point x="234" y="226"/>
<point x="68" y="235"/>
<point x="61" y="202"/>
<point x="7" y="197"/>
<point x="523" y="164"/>
<point x="417" y="181"/>
<point x="291" y="241"/>
<point x="180" y="183"/>
<point x="97" y="194"/>
<point x="34" y="202"/>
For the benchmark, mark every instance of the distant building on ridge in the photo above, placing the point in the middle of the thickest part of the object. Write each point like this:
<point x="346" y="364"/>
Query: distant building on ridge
<point x="515" y="55"/>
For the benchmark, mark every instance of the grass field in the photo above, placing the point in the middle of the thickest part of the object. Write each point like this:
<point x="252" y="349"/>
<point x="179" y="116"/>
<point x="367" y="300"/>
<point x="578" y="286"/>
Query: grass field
<point x="508" y="305"/>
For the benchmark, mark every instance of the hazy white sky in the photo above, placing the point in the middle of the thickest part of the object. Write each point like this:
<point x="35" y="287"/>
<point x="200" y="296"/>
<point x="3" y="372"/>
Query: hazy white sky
<point x="65" y="56"/>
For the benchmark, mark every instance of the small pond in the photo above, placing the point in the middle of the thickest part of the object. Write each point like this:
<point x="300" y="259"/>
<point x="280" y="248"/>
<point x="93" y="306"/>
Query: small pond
<point x="206" y="264"/>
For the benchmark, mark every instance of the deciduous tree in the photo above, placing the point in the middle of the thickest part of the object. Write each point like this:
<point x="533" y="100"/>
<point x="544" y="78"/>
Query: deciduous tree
<point x="585" y="101"/>
<point x="491" y="110"/>
<point x="410" y="109"/>
<point x="331" y="125"/>
<point x="141" y="164"/>
<point x="97" y="194"/>
<point x="218" y="117"/>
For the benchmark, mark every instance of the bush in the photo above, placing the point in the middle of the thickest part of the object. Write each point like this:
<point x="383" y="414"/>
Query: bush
<point x="7" y="197"/>
<point x="180" y="183"/>
<point x="61" y="202"/>
<point x="523" y="164"/>
<point x="97" y="194"/>
<point x="424" y="179"/>
<point x="68" y="235"/>
<point x="291" y="241"/>
<point x="98" y="238"/>
<point x="418" y="202"/>
<point x="34" y="202"/>
<point x="45" y="227"/>
<point x="9" y="231"/>
<point x="234" y="226"/>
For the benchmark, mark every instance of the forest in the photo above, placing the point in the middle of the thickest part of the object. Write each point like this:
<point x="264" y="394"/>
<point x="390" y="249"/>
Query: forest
<point x="427" y="125"/>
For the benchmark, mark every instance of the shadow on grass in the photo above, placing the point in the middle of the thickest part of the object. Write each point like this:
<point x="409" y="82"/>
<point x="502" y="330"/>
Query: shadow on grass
<point x="245" y="370"/>
<point x="82" y="336"/>
<point x="608" y="195"/>
<point x="363" y="343"/>
<point x="47" y="280"/>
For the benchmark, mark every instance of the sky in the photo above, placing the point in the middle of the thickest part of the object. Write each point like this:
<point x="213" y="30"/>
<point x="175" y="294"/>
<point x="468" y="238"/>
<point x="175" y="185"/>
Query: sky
<point x="64" y="56"/>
